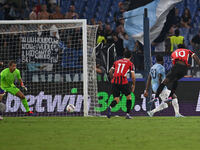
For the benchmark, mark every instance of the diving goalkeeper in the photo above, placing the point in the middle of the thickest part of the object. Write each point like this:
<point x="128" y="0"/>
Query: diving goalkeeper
<point x="8" y="77"/>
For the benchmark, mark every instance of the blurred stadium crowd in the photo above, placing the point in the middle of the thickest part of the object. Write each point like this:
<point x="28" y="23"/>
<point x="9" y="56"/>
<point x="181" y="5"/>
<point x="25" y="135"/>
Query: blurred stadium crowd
<point x="182" y="26"/>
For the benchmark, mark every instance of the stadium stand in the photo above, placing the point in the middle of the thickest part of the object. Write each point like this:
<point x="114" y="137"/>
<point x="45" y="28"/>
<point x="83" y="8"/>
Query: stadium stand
<point x="107" y="12"/>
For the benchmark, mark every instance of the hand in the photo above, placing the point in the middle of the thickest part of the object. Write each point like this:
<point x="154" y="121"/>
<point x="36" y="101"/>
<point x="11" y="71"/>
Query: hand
<point x="145" y="93"/>
<point x="25" y="88"/>
<point x="1" y="63"/>
<point x="132" y="89"/>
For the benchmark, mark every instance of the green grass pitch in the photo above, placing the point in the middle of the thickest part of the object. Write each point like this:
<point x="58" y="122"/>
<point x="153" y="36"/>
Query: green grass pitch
<point x="99" y="133"/>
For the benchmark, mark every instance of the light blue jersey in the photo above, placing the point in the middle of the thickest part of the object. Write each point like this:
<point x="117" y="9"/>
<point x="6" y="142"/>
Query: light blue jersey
<point x="155" y="70"/>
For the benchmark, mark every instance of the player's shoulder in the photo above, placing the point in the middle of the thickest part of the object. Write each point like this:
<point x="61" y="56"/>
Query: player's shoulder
<point x="5" y="70"/>
<point x="157" y="66"/>
<point x="17" y="70"/>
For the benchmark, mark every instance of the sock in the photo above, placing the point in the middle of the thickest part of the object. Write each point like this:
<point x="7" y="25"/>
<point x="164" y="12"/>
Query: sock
<point x="128" y="105"/>
<point x="25" y="103"/>
<point x="114" y="102"/>
<point x="174" y="86"/>
<point x="159" y="90"/>
<point x="176" y="106"/>
<point x="171" y="94"/>
<point x="160" y="107"/>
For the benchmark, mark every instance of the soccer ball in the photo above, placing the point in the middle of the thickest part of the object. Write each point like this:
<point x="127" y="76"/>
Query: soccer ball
<point x="70" y="108"/>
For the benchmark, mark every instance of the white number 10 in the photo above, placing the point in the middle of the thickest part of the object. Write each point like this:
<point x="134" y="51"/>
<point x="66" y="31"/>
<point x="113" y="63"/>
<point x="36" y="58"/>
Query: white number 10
<point x="180" y="53"/>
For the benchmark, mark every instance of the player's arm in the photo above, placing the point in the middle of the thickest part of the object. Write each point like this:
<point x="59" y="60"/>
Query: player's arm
<point x="111" y="72"/>
<point x="147" y="86"/>
<point x="133" y="80"/>
<point x="2" y="77"/>
<point x="20" y="80"/>
<point x="22" y="84"/>
<point x="160" y="78"/>
<point x="196" y="58"/>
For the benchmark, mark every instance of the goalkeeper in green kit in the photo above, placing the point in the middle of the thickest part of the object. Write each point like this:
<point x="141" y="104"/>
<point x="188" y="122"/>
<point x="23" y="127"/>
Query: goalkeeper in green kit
<point x="8" y="77"/>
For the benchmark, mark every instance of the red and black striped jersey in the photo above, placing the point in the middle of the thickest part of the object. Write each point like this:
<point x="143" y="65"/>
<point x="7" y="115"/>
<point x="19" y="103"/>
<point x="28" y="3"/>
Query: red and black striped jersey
<point x="122" y="67"/>
<point x="181" y="55"/>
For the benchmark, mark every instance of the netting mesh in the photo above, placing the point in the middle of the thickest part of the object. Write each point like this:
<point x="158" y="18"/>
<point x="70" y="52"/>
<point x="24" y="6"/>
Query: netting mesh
<point x="50" y="58"/>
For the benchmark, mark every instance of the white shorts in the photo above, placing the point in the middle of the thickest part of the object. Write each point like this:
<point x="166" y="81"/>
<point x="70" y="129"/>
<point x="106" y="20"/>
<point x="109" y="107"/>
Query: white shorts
<point x="165" y="94"/>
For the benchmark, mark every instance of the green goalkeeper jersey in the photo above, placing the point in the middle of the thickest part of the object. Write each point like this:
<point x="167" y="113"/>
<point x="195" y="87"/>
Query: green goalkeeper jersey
<point x="8" y="78"/>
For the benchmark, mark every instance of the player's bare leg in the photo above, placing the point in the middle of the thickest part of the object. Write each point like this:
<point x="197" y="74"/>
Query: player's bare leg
<point x="113" y="103"/>
<point x="24" y="102"/>
<point x="128" y="105"/>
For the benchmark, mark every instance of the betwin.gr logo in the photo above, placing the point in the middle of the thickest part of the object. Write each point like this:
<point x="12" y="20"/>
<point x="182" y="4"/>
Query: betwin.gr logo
<point x="58" y="103"/>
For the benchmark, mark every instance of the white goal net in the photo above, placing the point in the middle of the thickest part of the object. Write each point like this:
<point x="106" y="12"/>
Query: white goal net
<point x="57" y="62"/>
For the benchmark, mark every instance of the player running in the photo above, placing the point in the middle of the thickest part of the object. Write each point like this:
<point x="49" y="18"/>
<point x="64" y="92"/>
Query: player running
<point x="8" y="77"/>
<point x="179" y="69"/>
<point x="118" y="73"/>
<point x="156" y="76"/>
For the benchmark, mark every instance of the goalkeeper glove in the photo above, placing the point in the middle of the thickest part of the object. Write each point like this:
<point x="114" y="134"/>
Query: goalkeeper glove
<point x="22" y="85"/>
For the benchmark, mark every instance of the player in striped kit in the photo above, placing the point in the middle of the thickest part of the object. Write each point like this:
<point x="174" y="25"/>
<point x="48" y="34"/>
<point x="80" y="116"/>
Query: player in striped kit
<point x="118" y="73"/>
<point x="156" y="76"/>
<point x="179" y="69"/>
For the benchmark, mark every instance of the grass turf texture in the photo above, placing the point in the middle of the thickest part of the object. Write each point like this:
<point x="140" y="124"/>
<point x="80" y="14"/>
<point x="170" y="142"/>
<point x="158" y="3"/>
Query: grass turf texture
<point x="99" y="133"/>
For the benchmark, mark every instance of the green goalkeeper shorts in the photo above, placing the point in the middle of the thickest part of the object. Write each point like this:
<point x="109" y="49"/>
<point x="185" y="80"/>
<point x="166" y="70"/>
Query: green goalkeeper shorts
<point x="12" y="90"/>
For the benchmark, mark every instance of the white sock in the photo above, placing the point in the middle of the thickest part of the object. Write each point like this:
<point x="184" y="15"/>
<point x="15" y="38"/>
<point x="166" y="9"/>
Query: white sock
<point x="176" y="106"/>
<point x="160" y="107"/>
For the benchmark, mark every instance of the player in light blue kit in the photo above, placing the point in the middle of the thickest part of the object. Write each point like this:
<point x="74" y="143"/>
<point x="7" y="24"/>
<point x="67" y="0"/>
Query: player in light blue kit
<point x="156" y="76"/>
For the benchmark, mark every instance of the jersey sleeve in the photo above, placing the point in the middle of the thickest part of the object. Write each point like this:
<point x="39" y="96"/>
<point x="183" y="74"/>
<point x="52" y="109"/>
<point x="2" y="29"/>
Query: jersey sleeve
<point x="191" y="53"/>
<point x="18" y="75"/>
<point x="2" y="76"/>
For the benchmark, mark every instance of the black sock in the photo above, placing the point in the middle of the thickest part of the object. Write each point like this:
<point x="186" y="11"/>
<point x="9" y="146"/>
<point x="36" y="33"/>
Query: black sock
<point x="128" y="105"/>
<point x="171" y="94"/>
<point x="174" y="86"/>
<point x="159" y="90"/>
<point x="114" y="102"/>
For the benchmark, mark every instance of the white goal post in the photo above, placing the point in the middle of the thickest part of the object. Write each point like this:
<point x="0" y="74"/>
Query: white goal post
<point x="57" y="60"/>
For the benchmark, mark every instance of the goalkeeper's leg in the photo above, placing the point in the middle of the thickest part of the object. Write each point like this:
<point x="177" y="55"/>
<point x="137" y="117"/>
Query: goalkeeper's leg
<point x="15" y="91"/>
<point x="24" y="101"/>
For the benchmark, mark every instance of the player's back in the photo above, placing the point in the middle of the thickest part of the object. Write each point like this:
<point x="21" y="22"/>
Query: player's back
<point x="181" y="55"/>
<point x="155" y="72"/>
<point x="122" y="67"/>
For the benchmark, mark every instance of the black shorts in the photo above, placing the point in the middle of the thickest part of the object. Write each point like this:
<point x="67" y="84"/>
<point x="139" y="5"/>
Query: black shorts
<point x="121" y="88"/>
<point x="177" y="72"/>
